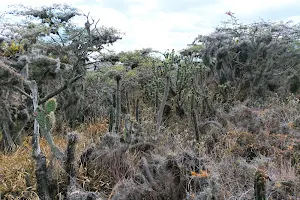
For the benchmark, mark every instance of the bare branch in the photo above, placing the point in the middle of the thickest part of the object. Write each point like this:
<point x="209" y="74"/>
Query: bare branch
<point x="11" y="71"/>
<point x="22" y="92"/>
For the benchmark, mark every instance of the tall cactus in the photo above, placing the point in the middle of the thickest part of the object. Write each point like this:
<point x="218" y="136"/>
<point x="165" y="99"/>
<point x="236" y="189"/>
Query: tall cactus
<point x="111" y="119"/>
<point x="118" y="105"/>
<point x="195" y="117"/>
<point x="128" y="128"/>
<point x="46" y="119"/>
<point x="163" y="102"/>
<point x="260" y="185"/>
<point x="137" y="110"/>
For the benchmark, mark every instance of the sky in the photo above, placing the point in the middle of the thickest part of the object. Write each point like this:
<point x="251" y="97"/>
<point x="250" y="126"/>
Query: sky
<point x="171" y="24"/>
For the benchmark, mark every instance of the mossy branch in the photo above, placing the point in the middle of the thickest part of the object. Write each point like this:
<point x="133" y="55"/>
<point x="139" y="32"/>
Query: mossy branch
<point x="148" y="174"/>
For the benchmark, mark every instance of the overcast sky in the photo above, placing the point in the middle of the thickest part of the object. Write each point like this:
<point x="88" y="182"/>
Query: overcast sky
<point x="168" y="24"/>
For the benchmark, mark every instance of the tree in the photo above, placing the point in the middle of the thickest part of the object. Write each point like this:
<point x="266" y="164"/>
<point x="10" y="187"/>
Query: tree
<point x="255" y="60"/>
<point x="47" y="47"/>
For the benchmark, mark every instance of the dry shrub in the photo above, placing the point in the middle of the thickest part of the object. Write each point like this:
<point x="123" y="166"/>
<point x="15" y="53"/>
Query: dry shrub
<point x="245" y="118"/>
<point x="284" y="181"/>
<point x="107" y="164"/>
<point x="108" y="168"/>
<point x="158" y="179"/>
<point x="130" y="189"/>
<point x="133" y="171"/>
<point x="236" y="175"/>
<point x="277" y="117"/>
<point x="221" y="166"/>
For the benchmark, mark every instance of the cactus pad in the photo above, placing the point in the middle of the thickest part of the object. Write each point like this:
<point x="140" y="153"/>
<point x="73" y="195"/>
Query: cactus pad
<point x="40" y="117"/>
<point x="50" y="106"/>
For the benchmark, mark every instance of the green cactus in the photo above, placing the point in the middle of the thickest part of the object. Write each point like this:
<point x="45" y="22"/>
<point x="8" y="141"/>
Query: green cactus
<point x="50" y="121"/>
<point x="50" y="106"/>
<point x="40" y="117"/>
<point x="46" y="119"/>
<point x="260" y="185"/>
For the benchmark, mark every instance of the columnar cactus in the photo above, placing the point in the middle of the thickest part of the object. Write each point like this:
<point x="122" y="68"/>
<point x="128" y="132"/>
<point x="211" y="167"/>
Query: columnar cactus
<point x="137" y="110"/>
<point x="163" y="102"/>
<point x="118" y="105"/>
<point x="128" y="128"/>
<point x="260" y="185"/>
<point x="111" y="119"/>
<point x="195" y="117"/>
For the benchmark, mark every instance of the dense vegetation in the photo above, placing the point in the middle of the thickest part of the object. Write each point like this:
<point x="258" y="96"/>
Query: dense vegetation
<point x="218" y="120"/>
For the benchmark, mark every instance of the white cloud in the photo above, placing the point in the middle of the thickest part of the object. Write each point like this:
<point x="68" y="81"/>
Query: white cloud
<point x="254" y="6"/>
<point x="4" y="4"/>
<point x="143" y="8"/>
<point x="295" y="19"/>
<point x="147" y="24"/>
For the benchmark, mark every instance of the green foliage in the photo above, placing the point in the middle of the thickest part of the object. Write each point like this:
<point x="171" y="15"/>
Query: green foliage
<point x="137" y="58"/>
<point x="55" y="21"/>
<point x="192" y="49"/>
<point x="118" y="68"/>
<point x="131" y="73"/>
<point x="11" y="49"/>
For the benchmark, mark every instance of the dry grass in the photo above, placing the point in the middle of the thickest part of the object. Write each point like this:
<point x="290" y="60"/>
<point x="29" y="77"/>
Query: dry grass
<point x="17" y="169"/>
<point x="94" y="130"/>
<point x="14" y="169"/>
<point x="17" y="175"/>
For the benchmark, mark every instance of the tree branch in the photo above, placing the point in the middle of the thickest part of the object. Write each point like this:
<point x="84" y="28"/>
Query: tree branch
<point x="11" y="70"/>
<point x="65" y="86"/>
<point x="22" y="92"/>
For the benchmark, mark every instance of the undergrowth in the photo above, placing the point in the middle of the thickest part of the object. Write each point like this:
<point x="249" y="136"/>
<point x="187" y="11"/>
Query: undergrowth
<point x="221" y="166"/>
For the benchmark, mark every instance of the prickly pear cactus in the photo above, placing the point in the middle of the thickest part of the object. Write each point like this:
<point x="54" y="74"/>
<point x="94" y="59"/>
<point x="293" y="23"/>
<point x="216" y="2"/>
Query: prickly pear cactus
<point x="41" y="118"/>
<point x="46" y="119"/>
<point x="50" y="106"/>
